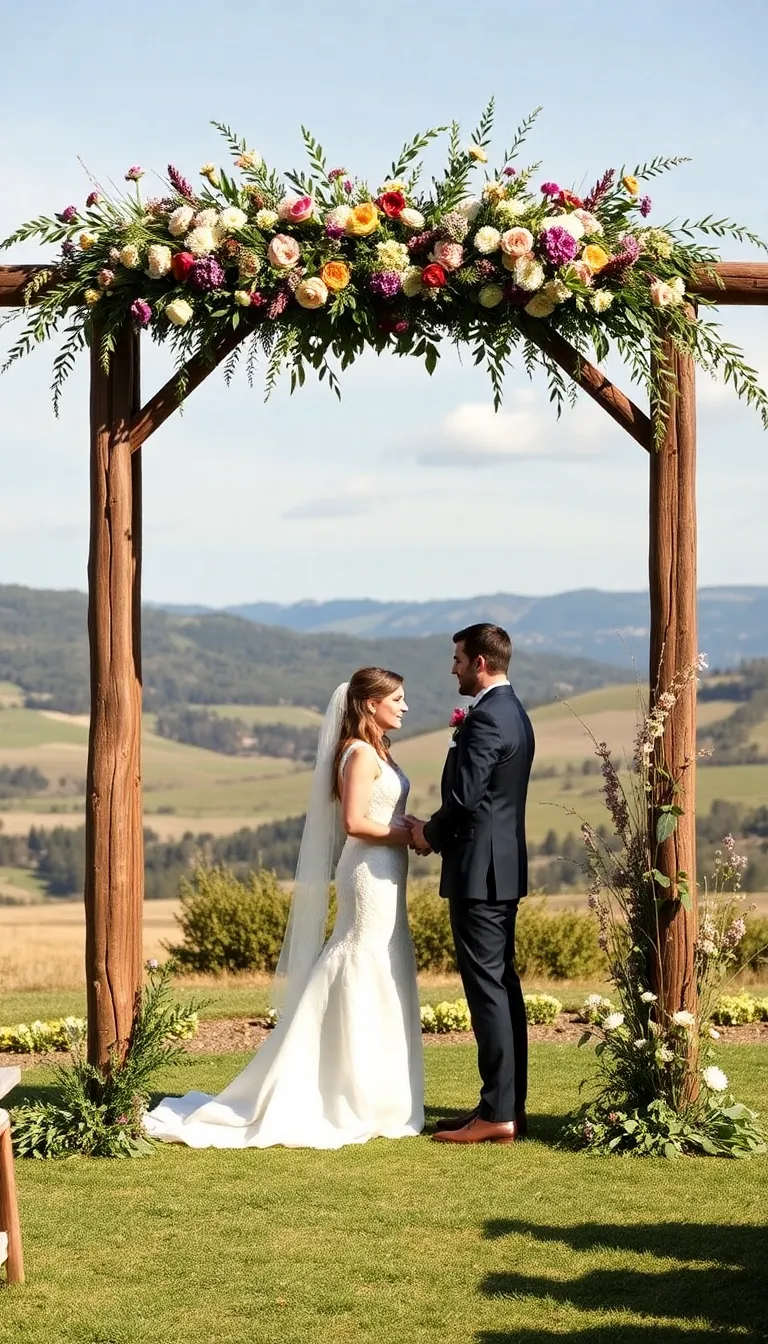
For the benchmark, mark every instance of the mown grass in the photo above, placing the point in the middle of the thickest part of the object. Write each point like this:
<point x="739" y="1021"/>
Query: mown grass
<point x="397" y="1243"/>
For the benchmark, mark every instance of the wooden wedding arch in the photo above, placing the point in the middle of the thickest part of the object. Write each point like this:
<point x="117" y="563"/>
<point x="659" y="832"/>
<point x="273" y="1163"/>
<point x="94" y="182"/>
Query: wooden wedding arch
<point x="120" y="425"/>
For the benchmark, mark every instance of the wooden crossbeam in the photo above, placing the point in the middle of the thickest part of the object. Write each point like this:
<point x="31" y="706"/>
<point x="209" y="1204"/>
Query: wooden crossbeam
<point x="167" y="400"/>
<point x="591" y="380"/>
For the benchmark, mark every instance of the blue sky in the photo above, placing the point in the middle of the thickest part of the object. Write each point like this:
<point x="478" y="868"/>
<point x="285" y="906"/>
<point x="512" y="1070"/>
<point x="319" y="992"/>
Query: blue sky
<point x="410" y="488"/>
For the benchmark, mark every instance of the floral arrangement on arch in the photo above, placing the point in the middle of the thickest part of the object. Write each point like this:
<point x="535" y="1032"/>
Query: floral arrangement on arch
<point x="319" y="266"/>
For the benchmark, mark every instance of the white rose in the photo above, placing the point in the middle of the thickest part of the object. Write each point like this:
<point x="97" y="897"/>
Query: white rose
<point x="129" y="255"/>
<point x="528" y="274"/>
<point x="311" y="293"/>
<point x="158" y="261"/>
<point x="490" y="296"/>
<point x="487" y="240"/>
<point x="201" y="241"/>
<point x="232" y="219"/>
<point x="601" y="300"/>
<point x="411" y="282"/>
<point x="180" y="220"/>
<point x="570" y="223"/>
<point x="470" y="208"/>
<point x="412" y="219"/>
<point x="179" y="312"/>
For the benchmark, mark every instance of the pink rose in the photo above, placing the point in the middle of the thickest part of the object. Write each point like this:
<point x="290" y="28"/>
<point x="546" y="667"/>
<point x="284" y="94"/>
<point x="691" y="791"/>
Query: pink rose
<point x="448" y="255"/>
<point x="296" y="209"/>
<point x="457" y="718"/>
<point x="591" y="223"/>
<point x="283" y="252"/>
<point x="516" y="242"/>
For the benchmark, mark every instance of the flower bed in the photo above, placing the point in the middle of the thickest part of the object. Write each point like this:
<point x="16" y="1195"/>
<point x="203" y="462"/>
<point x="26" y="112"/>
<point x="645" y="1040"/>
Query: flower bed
<point x="66" y="1033"/>
<point x="315" y="267"/>
<point x="454" y="1016"/>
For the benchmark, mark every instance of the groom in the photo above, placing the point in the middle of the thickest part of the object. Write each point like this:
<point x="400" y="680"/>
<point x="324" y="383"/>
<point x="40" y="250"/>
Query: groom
<point x="479" y="831"/>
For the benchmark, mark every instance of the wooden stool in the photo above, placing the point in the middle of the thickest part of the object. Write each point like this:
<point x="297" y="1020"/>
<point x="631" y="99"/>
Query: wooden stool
<point x="10" y="1228"/>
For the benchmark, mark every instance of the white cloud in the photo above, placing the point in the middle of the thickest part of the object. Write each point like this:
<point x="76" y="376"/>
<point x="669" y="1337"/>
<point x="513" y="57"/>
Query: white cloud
<point x="473" y="434"/>
<point x="356" y="498"/>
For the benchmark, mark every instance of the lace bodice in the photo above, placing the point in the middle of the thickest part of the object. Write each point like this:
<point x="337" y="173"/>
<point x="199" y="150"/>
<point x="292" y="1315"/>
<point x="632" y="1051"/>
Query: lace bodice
<point x="389" y="795"/>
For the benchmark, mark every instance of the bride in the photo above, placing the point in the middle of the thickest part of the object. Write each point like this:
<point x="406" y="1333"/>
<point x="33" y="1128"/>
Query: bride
<point x="344" y="1063"/>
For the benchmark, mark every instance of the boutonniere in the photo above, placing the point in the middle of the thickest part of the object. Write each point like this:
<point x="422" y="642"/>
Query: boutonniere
<point x="457" y="718"/>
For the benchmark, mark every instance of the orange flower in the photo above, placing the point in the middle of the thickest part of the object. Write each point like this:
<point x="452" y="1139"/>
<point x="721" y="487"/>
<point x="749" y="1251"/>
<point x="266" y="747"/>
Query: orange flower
<point x="631" y="183"/>
<point x="335" y="275"/>
<point x="595" y="257"/>
<point x="363" y="220"/>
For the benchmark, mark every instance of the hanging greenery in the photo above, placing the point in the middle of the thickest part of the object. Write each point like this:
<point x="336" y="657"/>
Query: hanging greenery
<point x="314" y="268"/>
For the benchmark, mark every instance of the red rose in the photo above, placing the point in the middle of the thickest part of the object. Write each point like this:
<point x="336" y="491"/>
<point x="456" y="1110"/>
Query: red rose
<point x="392" y="203"/>
<point x="181" y="265"/>
<point x="433" y="276"/>
<point x="257" y="299"/>
<point x="568" y="198"/>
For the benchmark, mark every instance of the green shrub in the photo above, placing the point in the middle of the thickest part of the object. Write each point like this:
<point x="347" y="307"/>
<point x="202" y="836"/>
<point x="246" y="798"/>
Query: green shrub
<point x="430" y="929"/>
<point x="228" y="925"/>
<point x="40" y="1037"/>
<point x="735" y="1010"/>
<point x="561" y="946"/>
<point x="542" y="1008"/>
<point x="752" y="951"/>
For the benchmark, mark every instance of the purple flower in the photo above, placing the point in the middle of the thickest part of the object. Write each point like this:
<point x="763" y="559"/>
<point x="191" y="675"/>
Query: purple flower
<point x="599" y="190"/>
<point x="510" y="172"/>
<point x="334" y="231"/>
<point x="385" y="284"/>
<point x="348" y="185"/>
<point x="207" y="273"/>
<point x="624" y="258"/>
<point x="153" y="963"/>
<point x="550" y="189"/>
<point x="142" y="316"/>
<point x="134" y="174"/>
<point x="68" y="249"/>
<point x="558" y="245"/>
<point x="336" y="172"/>
<point x="180" y="183"/>
<point x="645" y="206"/>
<point x="68" y="214"/>
<point x="93" y="199"/>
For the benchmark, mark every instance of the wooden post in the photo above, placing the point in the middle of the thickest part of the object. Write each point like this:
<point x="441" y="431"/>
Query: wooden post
<point x="9" y="1207"/>
<point x="673" y="647"/>
<point x="114" y="880"/>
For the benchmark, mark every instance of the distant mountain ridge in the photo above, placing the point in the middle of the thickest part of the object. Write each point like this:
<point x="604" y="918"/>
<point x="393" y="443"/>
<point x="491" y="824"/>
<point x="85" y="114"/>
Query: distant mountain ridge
<point x="586" y="623"/>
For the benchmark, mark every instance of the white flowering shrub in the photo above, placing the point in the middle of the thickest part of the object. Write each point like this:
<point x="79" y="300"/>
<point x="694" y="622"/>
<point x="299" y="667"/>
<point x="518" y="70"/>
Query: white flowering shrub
<point x="595" y="1009"/>
<point x="447" y="1016"/>
<point x="41" y="1037"/>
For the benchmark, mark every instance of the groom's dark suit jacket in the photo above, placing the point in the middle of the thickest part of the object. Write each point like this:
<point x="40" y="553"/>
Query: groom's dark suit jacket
<point x="480" y="828"/>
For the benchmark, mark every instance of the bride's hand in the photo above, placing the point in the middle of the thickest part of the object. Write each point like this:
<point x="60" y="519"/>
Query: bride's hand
<point x="400" y="832"/>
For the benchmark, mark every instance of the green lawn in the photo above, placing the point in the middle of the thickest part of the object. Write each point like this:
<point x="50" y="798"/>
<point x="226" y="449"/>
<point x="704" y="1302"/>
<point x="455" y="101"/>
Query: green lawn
<point x="397" y="1243"/>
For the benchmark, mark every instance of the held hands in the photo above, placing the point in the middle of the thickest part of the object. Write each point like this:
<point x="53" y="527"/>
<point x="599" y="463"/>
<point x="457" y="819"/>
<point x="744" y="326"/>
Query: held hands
<point x="418" y="842"/>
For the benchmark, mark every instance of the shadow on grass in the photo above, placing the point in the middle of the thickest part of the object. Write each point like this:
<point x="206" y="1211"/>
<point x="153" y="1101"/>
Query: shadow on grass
<point x="726" y="1288"/>
<point x="615" y="1334"/>
<point x="26" y="1093"/>
<point x="545" y="1129"/>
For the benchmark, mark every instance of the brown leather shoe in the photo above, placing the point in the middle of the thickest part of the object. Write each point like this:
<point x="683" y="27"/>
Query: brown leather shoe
<point x="479" y="1131"/>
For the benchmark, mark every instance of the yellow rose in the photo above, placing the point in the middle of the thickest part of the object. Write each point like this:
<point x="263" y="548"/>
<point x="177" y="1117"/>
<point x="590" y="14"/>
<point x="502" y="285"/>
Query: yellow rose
<point x="631" y="183"/>
<point x="477" y="153"/>
<point x="335" y="275"/>
<point x="92" y="296"/>
<point x="595" y="257"/>
<point x="87" y="241"/>
<point x="363" y="220"/>
<point x="393" y="186"/>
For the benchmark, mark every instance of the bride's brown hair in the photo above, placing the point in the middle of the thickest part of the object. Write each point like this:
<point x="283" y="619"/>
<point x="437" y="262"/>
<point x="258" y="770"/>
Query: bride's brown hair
<point x="358" y="724"/>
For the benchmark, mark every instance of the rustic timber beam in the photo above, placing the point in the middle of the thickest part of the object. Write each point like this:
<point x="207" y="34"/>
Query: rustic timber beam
<point x="170" y="396"/>
<point x="591" y="380"/>
<point x="742" y="283"/>
<point x="13" y="283"/>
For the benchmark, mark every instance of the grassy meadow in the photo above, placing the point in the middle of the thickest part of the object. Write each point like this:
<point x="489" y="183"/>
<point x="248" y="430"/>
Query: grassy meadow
<point x="191" y="788"/>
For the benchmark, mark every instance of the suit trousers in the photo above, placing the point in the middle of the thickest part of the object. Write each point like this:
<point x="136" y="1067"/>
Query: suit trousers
<point x="484" y="934"/>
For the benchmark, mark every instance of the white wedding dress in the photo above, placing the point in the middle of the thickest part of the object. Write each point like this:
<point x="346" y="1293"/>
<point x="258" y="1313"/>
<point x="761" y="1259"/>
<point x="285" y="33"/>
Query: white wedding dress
<point x="345" y="1064"/>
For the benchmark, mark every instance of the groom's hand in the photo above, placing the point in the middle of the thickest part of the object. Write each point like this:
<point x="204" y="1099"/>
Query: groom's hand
<point x="419" y="842"/>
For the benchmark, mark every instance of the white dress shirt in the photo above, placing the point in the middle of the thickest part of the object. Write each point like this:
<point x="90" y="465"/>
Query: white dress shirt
<point x="486" y="689"/>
